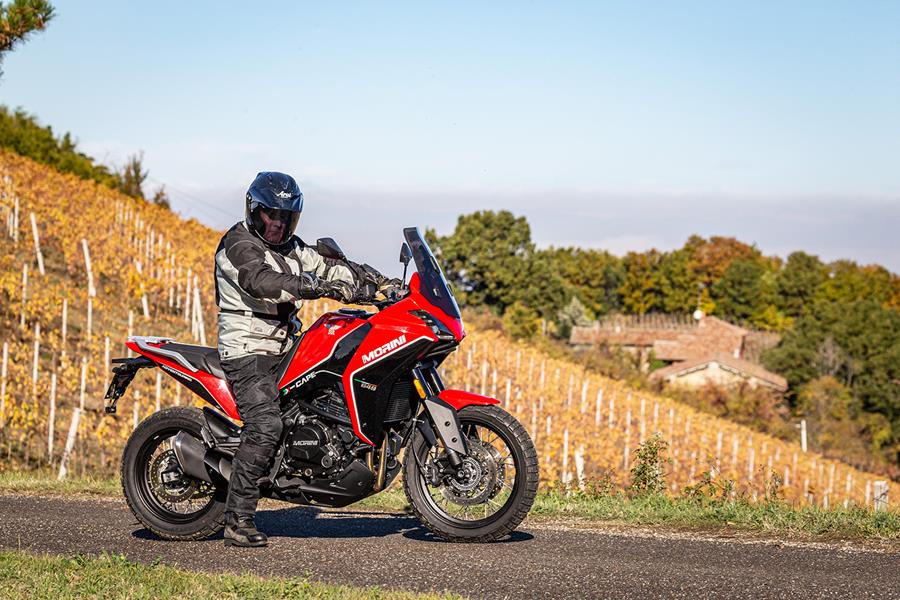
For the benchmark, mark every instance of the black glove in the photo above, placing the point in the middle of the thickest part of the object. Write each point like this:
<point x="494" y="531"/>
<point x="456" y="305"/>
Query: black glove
<point x="365" y="294"/>
<point x="387" y="284"/>
<point x="337" y="290"/>
<point x="307" y="286"/>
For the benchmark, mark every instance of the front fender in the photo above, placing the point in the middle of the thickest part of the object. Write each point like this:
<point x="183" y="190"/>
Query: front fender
<point x="459" y="399"/>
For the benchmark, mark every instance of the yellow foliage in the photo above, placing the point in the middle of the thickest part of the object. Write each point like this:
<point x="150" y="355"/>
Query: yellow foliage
<point x="557" y="401"/>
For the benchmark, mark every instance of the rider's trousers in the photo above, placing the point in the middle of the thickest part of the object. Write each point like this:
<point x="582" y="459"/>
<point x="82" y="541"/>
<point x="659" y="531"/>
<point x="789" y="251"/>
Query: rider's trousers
<point x="253" y="383"/>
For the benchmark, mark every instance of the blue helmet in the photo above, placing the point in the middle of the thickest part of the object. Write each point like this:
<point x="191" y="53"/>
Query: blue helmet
<point x="273" y="206"/>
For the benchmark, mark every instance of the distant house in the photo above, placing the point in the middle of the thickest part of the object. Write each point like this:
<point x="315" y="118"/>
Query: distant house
<point x="697" y="352"/>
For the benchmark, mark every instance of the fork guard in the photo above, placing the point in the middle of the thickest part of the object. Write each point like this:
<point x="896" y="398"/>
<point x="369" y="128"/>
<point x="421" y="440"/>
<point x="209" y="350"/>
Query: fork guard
<point x="460" y="399"/>
<point x="443" y="410"/>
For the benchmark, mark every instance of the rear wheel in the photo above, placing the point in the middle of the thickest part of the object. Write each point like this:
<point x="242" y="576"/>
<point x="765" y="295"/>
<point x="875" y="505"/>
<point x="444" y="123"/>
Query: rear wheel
<point x="493" y="490"/>
<point x="169" y="503"/>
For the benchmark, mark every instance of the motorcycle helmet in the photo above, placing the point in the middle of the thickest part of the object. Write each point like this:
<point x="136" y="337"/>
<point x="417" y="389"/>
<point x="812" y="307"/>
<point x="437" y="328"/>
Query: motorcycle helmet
<point x="273" y="206"/>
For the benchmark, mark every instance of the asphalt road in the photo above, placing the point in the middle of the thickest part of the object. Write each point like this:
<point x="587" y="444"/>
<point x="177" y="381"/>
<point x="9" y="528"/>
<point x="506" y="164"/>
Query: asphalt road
<point x="543" y="560"/>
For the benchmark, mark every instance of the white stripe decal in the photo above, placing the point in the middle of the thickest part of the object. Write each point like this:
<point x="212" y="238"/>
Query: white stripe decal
<point x="366" y="366"/>
<point x="164" y="367"/>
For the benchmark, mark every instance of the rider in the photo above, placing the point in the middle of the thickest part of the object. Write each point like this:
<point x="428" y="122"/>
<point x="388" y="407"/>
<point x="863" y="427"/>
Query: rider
<point x="263" y="272"/>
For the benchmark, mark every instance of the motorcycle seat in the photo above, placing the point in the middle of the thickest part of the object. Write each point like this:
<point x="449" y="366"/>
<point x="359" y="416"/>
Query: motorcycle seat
<point x="202" y="357"/>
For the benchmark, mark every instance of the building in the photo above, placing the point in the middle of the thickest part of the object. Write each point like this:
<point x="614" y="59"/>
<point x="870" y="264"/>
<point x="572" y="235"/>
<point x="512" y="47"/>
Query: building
<point x="696" y="352"/>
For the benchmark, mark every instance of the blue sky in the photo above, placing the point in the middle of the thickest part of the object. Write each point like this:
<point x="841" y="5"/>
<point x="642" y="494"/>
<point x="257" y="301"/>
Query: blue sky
<point x="622" y="126"/>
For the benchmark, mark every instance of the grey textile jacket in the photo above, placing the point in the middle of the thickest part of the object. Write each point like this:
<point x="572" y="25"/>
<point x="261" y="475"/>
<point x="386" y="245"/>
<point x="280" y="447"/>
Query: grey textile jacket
<point x="258" y="287"/>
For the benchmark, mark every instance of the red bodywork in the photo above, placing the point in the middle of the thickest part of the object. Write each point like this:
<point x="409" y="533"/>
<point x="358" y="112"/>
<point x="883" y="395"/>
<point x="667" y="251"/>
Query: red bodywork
<point x="321" y="340"/>
<point x="217" y="388"/>
<point x="459" y="399"/>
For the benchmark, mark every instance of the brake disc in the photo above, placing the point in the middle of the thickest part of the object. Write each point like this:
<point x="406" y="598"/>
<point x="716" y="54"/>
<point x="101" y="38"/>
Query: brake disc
<point x="476" y="480"/>
<point x="168" y="481"/>
<point x="501" y="469"/>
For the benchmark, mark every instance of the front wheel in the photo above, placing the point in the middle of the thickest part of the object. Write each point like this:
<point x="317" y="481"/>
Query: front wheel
<point x="492" y="491"/>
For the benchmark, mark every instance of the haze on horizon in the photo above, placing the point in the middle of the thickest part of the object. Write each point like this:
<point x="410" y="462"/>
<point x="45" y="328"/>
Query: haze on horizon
<point x="624" y="126"/>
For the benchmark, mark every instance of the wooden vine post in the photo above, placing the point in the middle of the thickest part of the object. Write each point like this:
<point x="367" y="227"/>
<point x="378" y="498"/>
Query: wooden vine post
<point x="92" y="291"/>
<point x="70" y="444"/>
<point x="37" y="245"/>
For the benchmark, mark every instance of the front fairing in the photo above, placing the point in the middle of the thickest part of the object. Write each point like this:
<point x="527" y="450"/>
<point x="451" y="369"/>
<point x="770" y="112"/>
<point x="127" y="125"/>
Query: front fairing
<point x="421" y="302"/>
<point x="429" y="287"/>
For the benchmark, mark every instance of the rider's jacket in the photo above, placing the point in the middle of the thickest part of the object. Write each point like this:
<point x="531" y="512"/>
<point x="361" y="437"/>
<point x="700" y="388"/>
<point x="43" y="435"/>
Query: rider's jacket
<point x="259" y="287"/>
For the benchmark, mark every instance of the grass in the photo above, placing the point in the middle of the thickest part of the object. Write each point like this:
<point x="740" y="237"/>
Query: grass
<point x="24" y="575"/>
<point x="44" y="482"/>
<point x="776" y="518"/>
<point x="740" y="515"/>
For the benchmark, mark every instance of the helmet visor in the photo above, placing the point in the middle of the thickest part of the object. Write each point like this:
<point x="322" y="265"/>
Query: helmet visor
<point x="274" y="225"/>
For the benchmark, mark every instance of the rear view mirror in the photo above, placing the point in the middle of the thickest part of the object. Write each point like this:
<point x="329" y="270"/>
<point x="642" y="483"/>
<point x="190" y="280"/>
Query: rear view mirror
<point x="405" y="257"/>
<point x="405" y="254"/>
<point x="329" y="248"/>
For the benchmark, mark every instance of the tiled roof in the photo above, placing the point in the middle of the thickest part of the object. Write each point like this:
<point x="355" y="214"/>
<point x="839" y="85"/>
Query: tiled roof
<point x="739" y="366"/>
<point x="708" y="335"/>
<point x="712" y="336"/>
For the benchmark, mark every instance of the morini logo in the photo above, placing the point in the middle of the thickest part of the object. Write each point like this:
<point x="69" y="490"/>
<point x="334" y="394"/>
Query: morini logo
<point x="382" y="350"/>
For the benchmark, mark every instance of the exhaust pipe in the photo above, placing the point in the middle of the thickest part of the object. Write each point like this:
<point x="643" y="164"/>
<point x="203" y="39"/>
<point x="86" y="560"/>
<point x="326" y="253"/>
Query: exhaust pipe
<point x="198" y="461"/>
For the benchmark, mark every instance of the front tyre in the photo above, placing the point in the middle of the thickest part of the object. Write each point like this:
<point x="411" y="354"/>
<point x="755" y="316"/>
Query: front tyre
<point x="487" y="498"/>
<point x="169" y="503"/>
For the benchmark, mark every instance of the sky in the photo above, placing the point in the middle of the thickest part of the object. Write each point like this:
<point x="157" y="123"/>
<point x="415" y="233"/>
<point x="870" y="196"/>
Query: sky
<point x="621" y="126"/>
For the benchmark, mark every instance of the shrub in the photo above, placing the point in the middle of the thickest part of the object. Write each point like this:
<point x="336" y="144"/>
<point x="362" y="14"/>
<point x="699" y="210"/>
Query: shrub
<point x="647" y="476"/>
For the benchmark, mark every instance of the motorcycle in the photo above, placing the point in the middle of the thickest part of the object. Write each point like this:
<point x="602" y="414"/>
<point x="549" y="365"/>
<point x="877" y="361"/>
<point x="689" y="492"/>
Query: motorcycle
<point x="361" y="400"/>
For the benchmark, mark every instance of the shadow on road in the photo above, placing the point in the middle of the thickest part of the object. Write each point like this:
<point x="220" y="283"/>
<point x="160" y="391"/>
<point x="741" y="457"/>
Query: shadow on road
<point x="310" y="522"/>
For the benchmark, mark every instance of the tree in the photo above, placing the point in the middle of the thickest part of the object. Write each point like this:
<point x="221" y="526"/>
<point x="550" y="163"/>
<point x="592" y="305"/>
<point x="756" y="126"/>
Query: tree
<point x="24" y="135"/>
<point x="641" y="289"/>
<point x="738" y="292"/>
<point x="711" y="258"/>
<point x="133" y="175"/>
<point x="573" y="314"/>
<point x="161" y="197"/>
<point x="836" y="424"/>
<point x="678" y="284"/>
<point x="20" y="18"/>
<point x="798" y="282"/>
<point x="857" y="343"/>
<point x="847" y="281"/>
<point x="595" y="275"/>
<point x="521" y="322"/>
<point x="491" y="261"/>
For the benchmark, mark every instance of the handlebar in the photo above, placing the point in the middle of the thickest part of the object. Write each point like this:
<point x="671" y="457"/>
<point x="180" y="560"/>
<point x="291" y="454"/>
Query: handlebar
<point x="392" y="296"/>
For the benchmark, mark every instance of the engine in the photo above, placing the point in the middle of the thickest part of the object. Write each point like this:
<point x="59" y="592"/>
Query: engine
<point x="314" y="449"/>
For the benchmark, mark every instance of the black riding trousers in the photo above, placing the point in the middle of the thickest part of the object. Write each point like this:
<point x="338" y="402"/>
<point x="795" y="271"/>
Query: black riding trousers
<point x="253" y="382"/>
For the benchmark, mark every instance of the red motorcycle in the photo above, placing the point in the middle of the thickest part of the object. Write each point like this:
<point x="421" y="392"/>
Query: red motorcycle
<point x="358" y="391"/>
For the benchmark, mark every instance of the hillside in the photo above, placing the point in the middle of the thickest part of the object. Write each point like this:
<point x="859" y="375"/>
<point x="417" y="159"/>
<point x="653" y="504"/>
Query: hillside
<point x="144" y="257"/>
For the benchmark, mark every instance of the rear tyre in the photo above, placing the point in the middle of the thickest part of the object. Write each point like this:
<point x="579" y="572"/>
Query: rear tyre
<point x="169" y="503"/>
<point x="497" y="490"/>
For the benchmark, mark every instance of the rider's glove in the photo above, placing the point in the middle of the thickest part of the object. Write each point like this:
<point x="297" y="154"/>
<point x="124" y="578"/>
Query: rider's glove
<point x="337" y="290"/>
<point x="307" y="286"/>
<point x="365" y="294"/>
<point x="387" y="284"/>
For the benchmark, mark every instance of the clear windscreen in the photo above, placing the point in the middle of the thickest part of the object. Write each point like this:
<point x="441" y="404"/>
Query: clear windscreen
<point x="431" y="278"/>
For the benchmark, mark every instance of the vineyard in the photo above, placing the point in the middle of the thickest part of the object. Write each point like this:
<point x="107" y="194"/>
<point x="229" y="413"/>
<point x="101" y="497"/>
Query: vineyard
<point x="82" y="267"/>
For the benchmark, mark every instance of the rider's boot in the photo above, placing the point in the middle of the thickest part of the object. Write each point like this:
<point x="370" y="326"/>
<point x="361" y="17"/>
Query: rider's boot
<point x="240" y="531"/>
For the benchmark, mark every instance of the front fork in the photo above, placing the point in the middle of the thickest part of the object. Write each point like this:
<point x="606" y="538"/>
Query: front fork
<point x="442" y="417"/>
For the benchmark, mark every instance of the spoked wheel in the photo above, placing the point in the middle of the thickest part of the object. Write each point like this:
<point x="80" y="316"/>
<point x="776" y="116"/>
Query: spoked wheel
<point x="489" y="495"/>
<point x="169" y="503"/>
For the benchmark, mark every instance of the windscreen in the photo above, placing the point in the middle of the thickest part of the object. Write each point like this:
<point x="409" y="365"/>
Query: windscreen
<point x="433" y="283"/>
